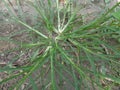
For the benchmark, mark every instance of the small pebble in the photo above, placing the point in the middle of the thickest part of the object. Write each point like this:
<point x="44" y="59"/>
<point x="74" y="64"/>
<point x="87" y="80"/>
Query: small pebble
<point x="2" y="55"/>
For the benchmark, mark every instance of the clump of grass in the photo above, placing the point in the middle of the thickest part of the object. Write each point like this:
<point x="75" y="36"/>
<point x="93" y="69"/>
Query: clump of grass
<point x="67" y="54"/>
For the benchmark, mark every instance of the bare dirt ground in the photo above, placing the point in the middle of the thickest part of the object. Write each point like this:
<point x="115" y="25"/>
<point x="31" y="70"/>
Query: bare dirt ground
<point x="91" y="10"/>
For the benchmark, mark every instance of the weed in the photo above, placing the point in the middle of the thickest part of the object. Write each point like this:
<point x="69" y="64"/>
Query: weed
<point x="66" y="54"/>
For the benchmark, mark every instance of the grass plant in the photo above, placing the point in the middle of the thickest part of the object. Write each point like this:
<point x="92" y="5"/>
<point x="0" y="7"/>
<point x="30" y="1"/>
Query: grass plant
<point x="65" y="53"/>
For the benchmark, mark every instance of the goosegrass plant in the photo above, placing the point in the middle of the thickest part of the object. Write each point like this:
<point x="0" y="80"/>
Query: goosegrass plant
<point x="65" y="54"/>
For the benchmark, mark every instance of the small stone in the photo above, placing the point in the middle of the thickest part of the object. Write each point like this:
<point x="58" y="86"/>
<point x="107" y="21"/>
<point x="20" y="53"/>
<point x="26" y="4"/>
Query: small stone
<point x="2" y="55"/>
<point x="0" y="79"/>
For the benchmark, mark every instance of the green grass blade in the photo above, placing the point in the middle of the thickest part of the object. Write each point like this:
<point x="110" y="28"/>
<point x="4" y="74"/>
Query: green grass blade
<point x="71" y="62"/>
<point x="39" y="61"/>
<point x="52" y="53"/>
<point x="30" y="28"/>
<point x="32" y="81"/>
